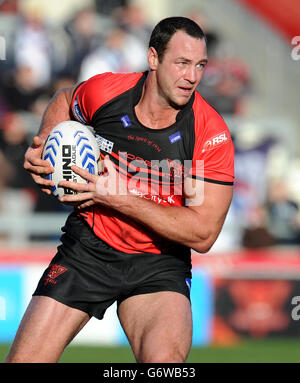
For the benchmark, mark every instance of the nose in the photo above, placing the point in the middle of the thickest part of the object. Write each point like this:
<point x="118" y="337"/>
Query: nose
<point x="191" y="74"/>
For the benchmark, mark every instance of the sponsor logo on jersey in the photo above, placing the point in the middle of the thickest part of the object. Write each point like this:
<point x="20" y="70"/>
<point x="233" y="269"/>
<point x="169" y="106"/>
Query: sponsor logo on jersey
<point x="175" y="137"/>
<point x="104" y="144"/>
<point x="77" y="112"/>
<point x="126" y="121"/>
<point x="170" y="169"/>
<point x="159" y="199"/>
<point x="54" y="272"/>
<point x="215" y="141"/>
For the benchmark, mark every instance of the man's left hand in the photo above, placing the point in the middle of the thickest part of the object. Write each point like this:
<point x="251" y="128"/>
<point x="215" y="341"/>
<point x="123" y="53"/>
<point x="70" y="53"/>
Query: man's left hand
<point x="98" y="190"/>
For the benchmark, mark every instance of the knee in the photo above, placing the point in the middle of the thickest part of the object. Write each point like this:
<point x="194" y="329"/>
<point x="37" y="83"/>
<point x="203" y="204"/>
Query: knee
<point x="162" y="356"/>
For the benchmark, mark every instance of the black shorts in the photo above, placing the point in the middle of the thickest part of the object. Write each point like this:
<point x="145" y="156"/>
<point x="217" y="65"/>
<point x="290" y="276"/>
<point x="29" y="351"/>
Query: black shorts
<point x="89" y="275"/>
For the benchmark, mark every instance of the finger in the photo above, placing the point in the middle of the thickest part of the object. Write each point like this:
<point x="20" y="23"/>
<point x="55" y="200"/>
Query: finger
<point x="77" y="186"/>
<point x="84" y="173"/>
<point x="85" y="205"/>
<point x="42" y="181"/>
<point x="47" y="191"/>
<point x="38" y="169"/>
<point x="37" y="142"/>
<point x="108" y="164"/>
<point x="77" y="197"/>
<point x="39" y="162"/>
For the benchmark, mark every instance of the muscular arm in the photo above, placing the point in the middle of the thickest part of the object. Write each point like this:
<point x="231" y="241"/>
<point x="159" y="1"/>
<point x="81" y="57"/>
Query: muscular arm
<point x="56" y="112"/>
<point x="195" y="226"/>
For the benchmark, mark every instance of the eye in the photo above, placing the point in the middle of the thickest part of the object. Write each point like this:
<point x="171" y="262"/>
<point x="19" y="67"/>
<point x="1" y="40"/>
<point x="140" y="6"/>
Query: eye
<point x="201" y="65"/>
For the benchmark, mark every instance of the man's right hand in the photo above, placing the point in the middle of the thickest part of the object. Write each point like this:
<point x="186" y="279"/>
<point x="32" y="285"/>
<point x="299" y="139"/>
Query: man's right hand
<point x="36" y="166"/>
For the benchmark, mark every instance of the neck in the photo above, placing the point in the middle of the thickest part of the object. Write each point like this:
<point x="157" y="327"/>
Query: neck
<point x="153" y="110"/>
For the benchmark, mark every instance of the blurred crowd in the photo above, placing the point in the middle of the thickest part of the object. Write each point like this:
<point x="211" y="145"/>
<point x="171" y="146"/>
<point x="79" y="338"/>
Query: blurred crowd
<point x="42" y="58"/>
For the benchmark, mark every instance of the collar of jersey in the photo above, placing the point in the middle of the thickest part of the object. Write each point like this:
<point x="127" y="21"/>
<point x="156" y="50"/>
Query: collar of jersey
<point x="137" y="93"/>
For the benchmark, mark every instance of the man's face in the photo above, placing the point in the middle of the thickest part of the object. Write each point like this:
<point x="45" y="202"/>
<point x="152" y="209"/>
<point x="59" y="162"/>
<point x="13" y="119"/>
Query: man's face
<point x="181" y="69"/>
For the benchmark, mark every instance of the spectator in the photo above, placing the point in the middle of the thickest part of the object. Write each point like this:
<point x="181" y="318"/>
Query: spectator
<point x="256" y="235"/>
<point x="13" y="144"/>
<point x="33" y="49"/>
<point x="18" y="190"/>
<point x="121" y="52"/>
<point x="107" y="7"/>
<point x="283" y="215"/>
<point x="6" y="175"/>
<point x="132" y="19"/>
<point x="19" y="89"/>
<point x="86" y="31"/>
<point x="225" y="85"/>
<point x="18" y="194"/>
<point x="212" y="36"/>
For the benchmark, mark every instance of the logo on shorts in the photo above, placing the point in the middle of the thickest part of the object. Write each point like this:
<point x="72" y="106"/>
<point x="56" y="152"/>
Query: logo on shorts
<point x="54" y="272"/>
<point x="188" y="283"/>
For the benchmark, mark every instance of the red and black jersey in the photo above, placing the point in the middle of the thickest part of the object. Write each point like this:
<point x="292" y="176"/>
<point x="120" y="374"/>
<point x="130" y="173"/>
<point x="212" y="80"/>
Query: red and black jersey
<point x="154" y="161"/>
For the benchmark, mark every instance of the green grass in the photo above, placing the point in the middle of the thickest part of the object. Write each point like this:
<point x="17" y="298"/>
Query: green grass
<point x="248" y="351"/>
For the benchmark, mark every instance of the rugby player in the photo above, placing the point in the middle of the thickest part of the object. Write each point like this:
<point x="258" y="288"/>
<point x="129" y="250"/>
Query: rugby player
<point x="134" y="248"/>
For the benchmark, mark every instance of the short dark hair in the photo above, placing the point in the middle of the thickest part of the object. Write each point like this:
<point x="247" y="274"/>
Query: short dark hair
<point x="166" y="28"/>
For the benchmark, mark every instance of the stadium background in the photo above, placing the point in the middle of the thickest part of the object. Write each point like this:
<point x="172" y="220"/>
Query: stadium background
<point x="245" y="291"/>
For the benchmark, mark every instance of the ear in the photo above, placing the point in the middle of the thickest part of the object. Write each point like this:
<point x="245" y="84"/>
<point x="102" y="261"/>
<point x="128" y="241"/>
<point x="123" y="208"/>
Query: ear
<point x="152" y="58"/>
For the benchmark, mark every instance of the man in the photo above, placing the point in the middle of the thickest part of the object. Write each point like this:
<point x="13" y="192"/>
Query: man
<point x="134" y="248"/>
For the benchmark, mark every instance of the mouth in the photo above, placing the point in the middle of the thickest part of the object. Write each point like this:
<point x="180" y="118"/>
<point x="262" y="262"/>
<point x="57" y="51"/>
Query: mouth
<point x="186" y="90"/>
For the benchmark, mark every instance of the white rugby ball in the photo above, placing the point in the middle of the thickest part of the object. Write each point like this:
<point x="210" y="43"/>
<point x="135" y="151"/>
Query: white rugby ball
<point x="71" y="143"/>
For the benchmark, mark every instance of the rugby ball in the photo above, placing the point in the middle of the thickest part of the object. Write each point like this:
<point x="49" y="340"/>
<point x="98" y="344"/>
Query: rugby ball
<point x="71" y="143"/>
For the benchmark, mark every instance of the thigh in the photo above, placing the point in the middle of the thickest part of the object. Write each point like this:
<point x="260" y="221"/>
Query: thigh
<point x="84" y="273"/>
<point x="158" y="326"/>
<point x="45" y="330"/>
